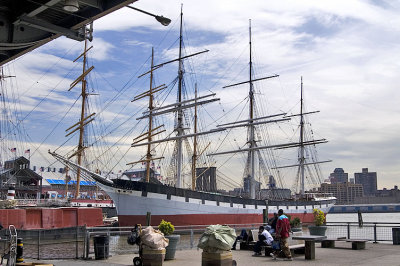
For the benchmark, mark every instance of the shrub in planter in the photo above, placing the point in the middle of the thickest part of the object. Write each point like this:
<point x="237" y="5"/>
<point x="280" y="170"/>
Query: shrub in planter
<point x="319" y="220"/>
<point x="167" y="229"/>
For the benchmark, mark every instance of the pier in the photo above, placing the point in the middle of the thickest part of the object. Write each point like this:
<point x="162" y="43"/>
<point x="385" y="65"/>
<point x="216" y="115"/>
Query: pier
<point x="373" y="254"/>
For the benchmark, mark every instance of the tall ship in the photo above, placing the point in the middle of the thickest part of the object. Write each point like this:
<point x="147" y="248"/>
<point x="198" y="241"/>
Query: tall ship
<point x="190" y="201"/>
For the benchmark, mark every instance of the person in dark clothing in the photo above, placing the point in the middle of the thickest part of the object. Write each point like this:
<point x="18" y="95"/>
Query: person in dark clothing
<point x="243" y="236"/>
<point x="264" y="238"/>
<point x="273" y="223"/>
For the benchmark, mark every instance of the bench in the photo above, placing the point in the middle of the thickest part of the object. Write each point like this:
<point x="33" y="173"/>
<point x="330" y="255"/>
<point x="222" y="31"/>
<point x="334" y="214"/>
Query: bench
<point x="294" y="249"/>
<point x="309" y="249"/>
<point x="297" y="249"/>
<point x="356" y="244"/>
<point x="251" y="240"/>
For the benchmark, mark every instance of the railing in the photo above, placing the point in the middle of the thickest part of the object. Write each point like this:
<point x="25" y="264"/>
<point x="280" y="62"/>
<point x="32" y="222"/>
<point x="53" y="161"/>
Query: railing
<point x="371" y="231"/>
<point x="65" y="243"/>
<point x="118" y="236"/>
<point x="77" y="242"/>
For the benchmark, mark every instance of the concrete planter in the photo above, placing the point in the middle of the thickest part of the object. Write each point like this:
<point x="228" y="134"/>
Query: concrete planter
<point x="317" y="230"/>
<point x="171" y="248"/>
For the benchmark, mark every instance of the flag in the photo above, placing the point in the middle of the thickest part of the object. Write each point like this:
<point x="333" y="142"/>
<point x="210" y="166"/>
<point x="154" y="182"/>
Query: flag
<point x="28" y="151"/>
<point x="13" y="149"/>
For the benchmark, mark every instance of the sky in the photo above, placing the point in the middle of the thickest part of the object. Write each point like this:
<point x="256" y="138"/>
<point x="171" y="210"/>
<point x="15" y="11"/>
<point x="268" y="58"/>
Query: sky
<point x="346" y="52"/>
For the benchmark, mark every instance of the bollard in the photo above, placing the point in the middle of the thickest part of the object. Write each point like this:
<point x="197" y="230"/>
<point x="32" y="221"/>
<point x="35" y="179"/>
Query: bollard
<point x="148" y="218"/>
<point x="265" y="216"/>
<point x="20" y="250"/>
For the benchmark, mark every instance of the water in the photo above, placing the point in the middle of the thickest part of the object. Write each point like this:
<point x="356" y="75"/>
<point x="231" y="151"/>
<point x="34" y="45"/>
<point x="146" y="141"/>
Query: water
<point x="381" y="233"/>
<point x="391" y="217"/>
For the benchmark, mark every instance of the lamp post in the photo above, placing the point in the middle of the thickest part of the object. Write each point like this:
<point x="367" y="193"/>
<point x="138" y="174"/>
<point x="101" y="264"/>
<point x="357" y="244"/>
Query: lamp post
<point x="163" y="20"/>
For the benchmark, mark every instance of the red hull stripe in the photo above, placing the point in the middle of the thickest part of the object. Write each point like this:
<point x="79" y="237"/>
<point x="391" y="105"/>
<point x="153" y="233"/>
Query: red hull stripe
<point x="204" y="219"/>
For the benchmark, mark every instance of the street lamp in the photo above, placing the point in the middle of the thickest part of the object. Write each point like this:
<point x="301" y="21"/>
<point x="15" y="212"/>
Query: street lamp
<point x="71" y="5"/>
<point x="164" y="21"/>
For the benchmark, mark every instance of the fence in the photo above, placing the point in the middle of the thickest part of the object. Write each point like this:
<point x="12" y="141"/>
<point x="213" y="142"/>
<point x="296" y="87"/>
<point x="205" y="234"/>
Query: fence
<point x="77" y="242"/>
<point x="371" y="231"/>
<point x="65" y="243"/>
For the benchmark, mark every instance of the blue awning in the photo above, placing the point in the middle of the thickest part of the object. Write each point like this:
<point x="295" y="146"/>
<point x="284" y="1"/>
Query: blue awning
<point x="72" y="182"/>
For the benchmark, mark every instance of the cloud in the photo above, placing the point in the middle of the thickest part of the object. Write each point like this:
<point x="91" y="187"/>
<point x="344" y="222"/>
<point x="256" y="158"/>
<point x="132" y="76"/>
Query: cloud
<point x="346" y="51"/>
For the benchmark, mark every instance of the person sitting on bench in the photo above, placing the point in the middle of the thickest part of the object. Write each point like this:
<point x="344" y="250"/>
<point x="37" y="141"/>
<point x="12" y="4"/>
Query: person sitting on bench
<point x="264" y="238"/>
<point x="243" y="236"/>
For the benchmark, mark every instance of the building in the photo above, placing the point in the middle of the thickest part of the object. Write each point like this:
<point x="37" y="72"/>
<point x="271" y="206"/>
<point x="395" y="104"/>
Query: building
<point x="368" y="180"/>
<point x="246" y="185"/>
<point x="339" y="176"/>
<point x="384" y="196"/>
<point x="206" y="179"/>
<point x="344" y="192"/>
<point x="16" y="173"/>
<point x="275" y="194"/>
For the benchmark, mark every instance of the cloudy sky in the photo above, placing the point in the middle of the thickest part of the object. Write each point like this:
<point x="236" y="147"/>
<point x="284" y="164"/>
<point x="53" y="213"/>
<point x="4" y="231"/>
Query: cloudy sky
<point x="346" y="51"/>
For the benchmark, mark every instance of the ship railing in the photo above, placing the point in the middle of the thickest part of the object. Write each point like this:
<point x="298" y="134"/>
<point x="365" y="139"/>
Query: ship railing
<point x="36" y="202"/>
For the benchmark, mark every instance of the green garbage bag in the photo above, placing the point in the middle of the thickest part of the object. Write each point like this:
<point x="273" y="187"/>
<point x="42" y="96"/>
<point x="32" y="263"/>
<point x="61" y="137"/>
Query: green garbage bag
<point x="217" y="238"/>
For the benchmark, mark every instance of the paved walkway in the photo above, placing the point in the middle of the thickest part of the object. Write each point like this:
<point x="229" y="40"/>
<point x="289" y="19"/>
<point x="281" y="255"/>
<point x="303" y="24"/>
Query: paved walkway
<point x="374" y="254"/>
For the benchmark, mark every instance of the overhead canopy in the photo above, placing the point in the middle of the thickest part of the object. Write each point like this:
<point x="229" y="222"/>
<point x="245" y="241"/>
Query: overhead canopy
<point x="28" y="24"/>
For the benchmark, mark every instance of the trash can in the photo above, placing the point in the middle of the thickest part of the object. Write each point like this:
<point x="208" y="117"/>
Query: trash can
<point x="101" y="247"/>
<point x="396" y="235"/>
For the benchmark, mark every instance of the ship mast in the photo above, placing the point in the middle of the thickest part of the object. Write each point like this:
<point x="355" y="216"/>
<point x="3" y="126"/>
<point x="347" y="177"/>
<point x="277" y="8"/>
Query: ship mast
<point x="251" y="126"/>
<point x="302" y="145"/>
<point x="177" y="108"/>
<point x="194" y="157"/>
<point x="179" y="127"/>
<point x="148" y="155"/>
<point x="81" y="128"/>
<point x="83" y="120"/>
<point x="301" y="158"/>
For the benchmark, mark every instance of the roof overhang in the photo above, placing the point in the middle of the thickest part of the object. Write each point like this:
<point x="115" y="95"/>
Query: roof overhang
<point x="28" y="24"/>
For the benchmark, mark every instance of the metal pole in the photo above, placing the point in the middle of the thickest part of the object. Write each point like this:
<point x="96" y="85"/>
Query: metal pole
<point x="191" y="238"/>
<point x="148" y="218"/>
<point x="38" y="245"/>
<point x="77" y="242"/>
<point x="348" y="230"/>
<point x="375" y="237"/>
<point x="265" y="216"/>
<point x="87" y="244"/>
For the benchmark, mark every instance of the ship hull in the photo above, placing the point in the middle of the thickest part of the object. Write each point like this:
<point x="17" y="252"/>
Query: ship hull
<point x="134" y="200"/>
